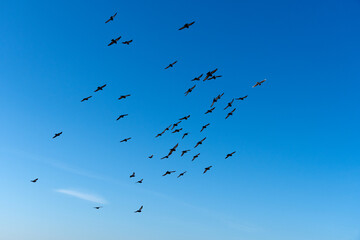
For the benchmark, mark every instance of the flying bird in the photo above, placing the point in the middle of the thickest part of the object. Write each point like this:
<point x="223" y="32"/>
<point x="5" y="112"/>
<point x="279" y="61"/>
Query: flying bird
<point x="35" y="180"/>
<point x="114" y="41"/>
<point x="124" y="96"/>
<point x="230" y="155"/>
<point x="195" y="157"/>
<point x="216" y="99"/>
<point x="87" y="98"/>
<point x="100" y="88"/>
<point x="241" y="98"/>
<point x="167" y="156"/>
<point x="183" y="152"/>
<point x="215" y="77"/>
<point x="171" y="65"/>
<point x="159" y="134"/>
<point x="140" y="181"/>
<point x="111" y="18"/>
<point x="98" y="207"/>
<point x="177" y="130"/>
<point x="181" y="174"/>
<point x="121" y="116"/>
<point x="126" y="139"/>
<point x="197" y="78"/>
<point x="200" y="142"/>
<point x="190" y="90"/>
<point x="207" y="169"/>
<point x="185" y="118"/>
<point x="205" y="126"/>
<point x="185" y="134"/>
<point x="209" y="74"/>
<point x="259" y="83"/>
<point x="230" y="113"/>
<point x="168" y="173"/>
<point x="187" y="25"/>
<point x="132" y="175"/>
<point x="210" y="110"/>
<point x="150" y="156"/>
<point x="57" y="134"/>
<point x="174" y="125"/>
<point x="229" y="104"/>
<point x="139" y="210"/>
<point x="173" y="149"/>
<point x="127" y="42"/>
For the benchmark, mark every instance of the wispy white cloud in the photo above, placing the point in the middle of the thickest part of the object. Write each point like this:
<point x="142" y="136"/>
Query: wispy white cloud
<point x="83" y="196"/>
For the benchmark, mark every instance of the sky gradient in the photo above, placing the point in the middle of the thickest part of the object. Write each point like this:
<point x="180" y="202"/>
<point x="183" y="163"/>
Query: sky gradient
<point x="296" y="171"/>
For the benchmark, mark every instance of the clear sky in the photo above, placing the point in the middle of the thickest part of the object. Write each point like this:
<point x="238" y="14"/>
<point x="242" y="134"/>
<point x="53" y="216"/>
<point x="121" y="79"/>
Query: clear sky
<point x="296" y="171"/>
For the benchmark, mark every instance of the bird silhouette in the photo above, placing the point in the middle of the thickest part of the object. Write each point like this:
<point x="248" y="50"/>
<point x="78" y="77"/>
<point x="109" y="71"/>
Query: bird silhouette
<point x="190" y="90"/>
<point x="167" y="156"/>
<point x="230" y="113"/>
<point x="229" y="154"/>
<point x="229" y="104"/>
<point x="171" y="65"/>
<point x="205" y="126"/>
<point x="177" y="130"/>
<point x="98" y="207"/>
<point x="259" y="83"/>
<point x="57" y="134"/>
<point x="174" y="125"/>
<point x="197" y="78"/>
<point x="209" y="74"/>
<point x="168" y="173"/>
<point x="185" y="118"/>
<point x="195" y="157"/>
<point x="210" y="110"/>
<point x="207" y="169"/>
<point x="111" y="18"/>
<point x="159" y="134"/>
<point x="241" y="98"/>
<point x="139" y="210"/>
<point x="85" y="99"/>
<point x="181" y="174"/>
<point x="187" y="25"/>
<point x="100" y="88"/>
<point x="124" y="96"/>
<point x="132" y="175"/>
<point x="183" y="152"/>
<point x="185" y="134"/>
<point x="121" y="116"/>
<point x="126" y="139"/>
<point x="127" y="42"/>
<point x="35" y="180"/>
<point x="214" y="77"/>
<point x="151" y="156"/>
<point x="168" y="128"/>
<point x="140" y="181"/>
<point x="173" y="149"/>
<point x="114" y="41"/>
<point x="200" y="142"/>
<point x="216" y="99"/>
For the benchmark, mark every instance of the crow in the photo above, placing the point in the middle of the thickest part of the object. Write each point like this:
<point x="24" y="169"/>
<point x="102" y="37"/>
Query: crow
<point x="185" y="118"/>
<point x="132" y="175"/>
<point x="140" y="181"/>
<point x="197" y="78"/>
<point x="229" y="104"/>
<point x="114" y="41"/>
<point x="100" y="88"/>
<point x="183" y="152"/>
<point x="121" y="116"/>
<point x="177" y="130"/>
<point x="139" y="210"/>
<point x="181" y="174"/>
<point x="200" y="142"/>
<point x="127" y="42"/>
<point x="35" y="180"/>
<point x="87" y="98"/>
<point x="230" y="154"/>
<point x="241" y="98"/>
<point x="126" y="139"/>
<point x="185" y="134"/>
<point x="57" y="134"/>
<point x="151" y="156"/>
<point x="174" y="125"/>
<point x="216" y="99"/>
<point x="124" y="96"/>
<point x="168" y="173"/>
<point x="207" y="169"/>
<point x="259" y="83"/>
<point x="111" y="18"/>
<point x="209" y="74"/>
<point x="173" y="149"/>
<point x="190" y="90"/>
<point x="171" y="65"/>
<point x="195" y="157"/>
<point x="230" y="113"/>
<point x="210" y="110"/>
<point x="205" y="126"/>
<point x="187" y="25"/>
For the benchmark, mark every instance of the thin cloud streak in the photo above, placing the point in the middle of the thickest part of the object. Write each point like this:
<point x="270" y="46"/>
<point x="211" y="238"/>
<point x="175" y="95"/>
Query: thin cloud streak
<point x="83" y="196"/>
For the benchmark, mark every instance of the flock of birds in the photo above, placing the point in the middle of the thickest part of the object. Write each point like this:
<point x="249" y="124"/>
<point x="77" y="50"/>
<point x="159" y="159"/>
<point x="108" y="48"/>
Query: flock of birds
<point x="172" y="127"/>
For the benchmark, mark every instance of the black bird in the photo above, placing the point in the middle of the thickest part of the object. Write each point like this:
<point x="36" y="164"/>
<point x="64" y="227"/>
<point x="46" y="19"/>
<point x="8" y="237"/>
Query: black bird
<point x="97" y="208"/>
<point x="171" y="65"/>
<point x="230" y="113"/>
<point x="177" y="130"/>
<point x="174" y="125"/>
<point x="168" y="128"/>
<point x="121" y="116"/>
<point x="187" y="25"/>
<point x="259" y="83"/>
<point x="87" y="98"/>
<point x="207" y="169"/>
<point x="111" y="18"/>
<point x="216" y="99"/>
<point x="151" y="156"/>
<point x="190" y="90"/>
<point x="205" y="126"/>
<point x="229" y="104"/>
<point x="197" y="78"/>
<point x="209" y="74"/>
<point x="215" y="77"/>
<point x="159" y="135"/>
<point x="181" y="174"/>
<point x="57" y="134"/>
<point x="200" y="142"/>
<point x="185" y="118"/>
<point x="183" y="152"/>
<point x="35" y="180"/>
<point x="139" y="210"/>
<point x="127" y="42"/>
<point x="173" y="149"/>
<point x="195" y="157"/>
<point x="114" y="41"/>
<point x="167" y="156"/>
<point x="185" y="134"/>
<point x="210" y="110"/>
<point x="168" y="173"/>
<point x="230" y="154"/>
<point x="140" y="181"/>
<point x="126" y="139"/>
<point x="241" y="98"/>
<point x="100" y="88"/>
<point x="132" y="175"/>
<point x="124" y="96"/>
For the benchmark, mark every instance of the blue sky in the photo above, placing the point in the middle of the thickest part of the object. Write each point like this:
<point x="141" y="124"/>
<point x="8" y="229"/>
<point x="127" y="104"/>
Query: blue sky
<point x="296" y="171"/>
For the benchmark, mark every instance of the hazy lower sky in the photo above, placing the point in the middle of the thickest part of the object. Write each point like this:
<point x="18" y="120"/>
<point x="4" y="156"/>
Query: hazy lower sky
<point x="296" y="171"/>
